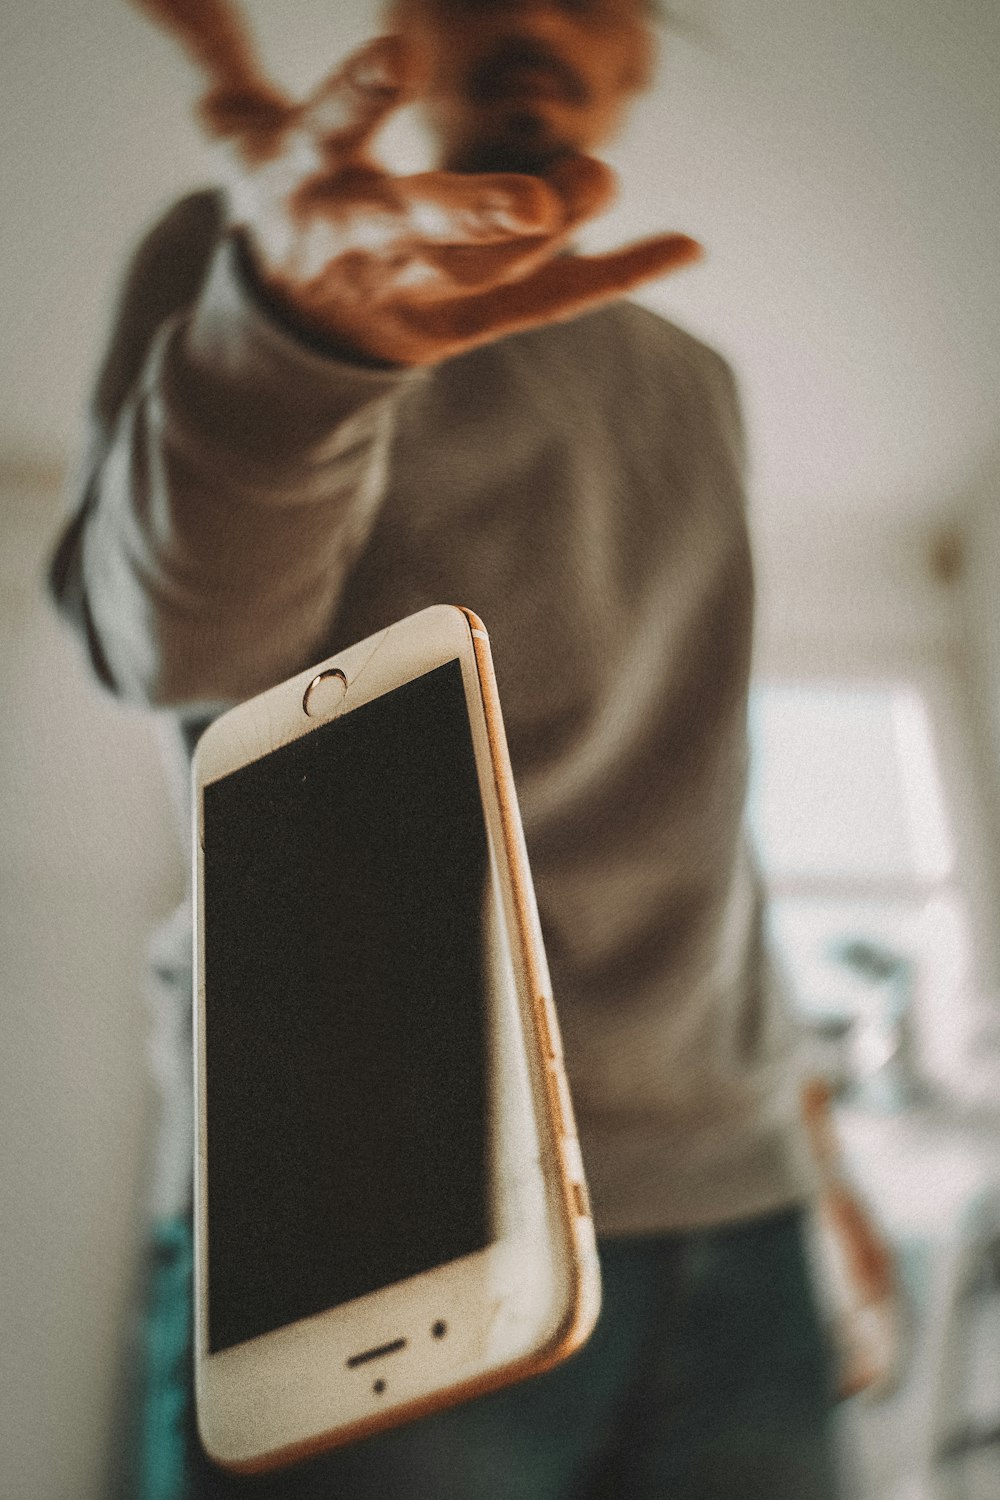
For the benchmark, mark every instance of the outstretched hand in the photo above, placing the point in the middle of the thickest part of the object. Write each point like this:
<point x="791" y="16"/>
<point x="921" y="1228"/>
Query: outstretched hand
<point x="407" y="270"/>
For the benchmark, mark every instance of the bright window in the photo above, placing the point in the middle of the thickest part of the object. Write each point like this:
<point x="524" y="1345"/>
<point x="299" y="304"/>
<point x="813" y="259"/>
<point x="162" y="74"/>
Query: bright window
<point x="849" y="821"/>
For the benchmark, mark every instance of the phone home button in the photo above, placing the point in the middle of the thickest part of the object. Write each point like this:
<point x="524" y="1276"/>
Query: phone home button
<point x="325" y="694"/>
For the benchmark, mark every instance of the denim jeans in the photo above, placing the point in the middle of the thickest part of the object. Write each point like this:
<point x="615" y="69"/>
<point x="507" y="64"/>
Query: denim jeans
<point x="708" y="1378"/>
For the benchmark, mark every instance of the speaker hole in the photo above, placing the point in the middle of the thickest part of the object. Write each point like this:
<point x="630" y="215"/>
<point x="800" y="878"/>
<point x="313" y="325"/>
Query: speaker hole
<point x="378" y="1386"/>
<point x="439" y="1329"/>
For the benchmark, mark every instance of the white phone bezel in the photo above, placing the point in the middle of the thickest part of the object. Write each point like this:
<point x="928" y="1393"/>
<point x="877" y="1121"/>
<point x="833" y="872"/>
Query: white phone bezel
<point x="511" y="1309"/>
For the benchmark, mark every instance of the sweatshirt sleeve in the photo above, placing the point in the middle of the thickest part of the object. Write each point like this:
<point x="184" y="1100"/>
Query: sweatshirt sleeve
<point x="231" y="477"/>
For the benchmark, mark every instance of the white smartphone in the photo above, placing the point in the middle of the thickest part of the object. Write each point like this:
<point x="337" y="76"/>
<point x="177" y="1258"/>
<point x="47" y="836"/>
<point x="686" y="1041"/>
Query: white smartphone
<point x="390" y="1208"/>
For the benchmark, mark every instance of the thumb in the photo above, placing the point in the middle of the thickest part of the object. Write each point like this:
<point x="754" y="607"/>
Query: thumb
<point x="561" y="289"/>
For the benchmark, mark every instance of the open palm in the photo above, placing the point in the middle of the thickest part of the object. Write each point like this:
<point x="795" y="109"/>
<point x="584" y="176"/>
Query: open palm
<point x="404" y="269"/>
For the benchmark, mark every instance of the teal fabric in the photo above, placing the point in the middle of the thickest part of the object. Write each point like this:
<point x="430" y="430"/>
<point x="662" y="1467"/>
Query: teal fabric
<point x="708" y="1378"/>
<point x="162" y="1442"/>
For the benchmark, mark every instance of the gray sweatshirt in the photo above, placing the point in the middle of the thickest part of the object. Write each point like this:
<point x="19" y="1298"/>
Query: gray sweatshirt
<point x="249" y="504"/>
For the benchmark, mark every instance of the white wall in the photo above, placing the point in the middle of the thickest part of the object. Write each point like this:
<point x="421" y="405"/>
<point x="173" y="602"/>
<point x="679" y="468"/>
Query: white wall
<point x="88" y="860"/>
<point x="981" y="614"/>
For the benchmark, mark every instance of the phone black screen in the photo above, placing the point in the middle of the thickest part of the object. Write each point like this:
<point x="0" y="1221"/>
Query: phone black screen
<point x="346" y="1047"/>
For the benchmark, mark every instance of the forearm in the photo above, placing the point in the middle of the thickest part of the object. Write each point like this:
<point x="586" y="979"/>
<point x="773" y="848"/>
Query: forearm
<point x="237" y="483"/>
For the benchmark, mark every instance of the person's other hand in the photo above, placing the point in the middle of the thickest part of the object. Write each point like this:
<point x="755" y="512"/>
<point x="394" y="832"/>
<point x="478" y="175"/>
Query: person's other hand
<point x="405" y="270"/>
<point x="859" y="1261"/>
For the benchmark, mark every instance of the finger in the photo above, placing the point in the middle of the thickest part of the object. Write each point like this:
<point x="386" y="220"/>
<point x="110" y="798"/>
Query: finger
<point x="254" y="120"/>
<point x="348" y="107"/>
<point x="214" y="35"/>
<point x="431" y="208"/>
<point x="462" y="208"/>
<point x="584" y="185"/>
<point x="489" y="258"/>
<point x="439" y="269"/>
<point x="561" y="289"/>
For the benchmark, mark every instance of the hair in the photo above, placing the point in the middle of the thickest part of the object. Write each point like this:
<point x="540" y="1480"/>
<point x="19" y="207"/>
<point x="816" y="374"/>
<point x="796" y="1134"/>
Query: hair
<point x="658" y="13"/>
<point x="656" y="10"/>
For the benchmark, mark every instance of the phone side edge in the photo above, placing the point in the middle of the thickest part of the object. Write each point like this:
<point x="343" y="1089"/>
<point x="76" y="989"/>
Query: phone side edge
<point x="585" y="1299"/>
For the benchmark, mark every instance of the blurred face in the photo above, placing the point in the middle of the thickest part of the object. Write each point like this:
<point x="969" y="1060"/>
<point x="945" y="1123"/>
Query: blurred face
<point x="512" y="85"/>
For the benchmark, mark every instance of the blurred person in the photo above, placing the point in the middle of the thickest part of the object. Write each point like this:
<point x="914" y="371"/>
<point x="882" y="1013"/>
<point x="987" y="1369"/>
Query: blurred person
<point x="333" y="396"/>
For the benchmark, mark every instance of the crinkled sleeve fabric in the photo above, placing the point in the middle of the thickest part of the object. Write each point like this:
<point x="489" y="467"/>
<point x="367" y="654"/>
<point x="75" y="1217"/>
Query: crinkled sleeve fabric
<point x="230" y="476"/>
